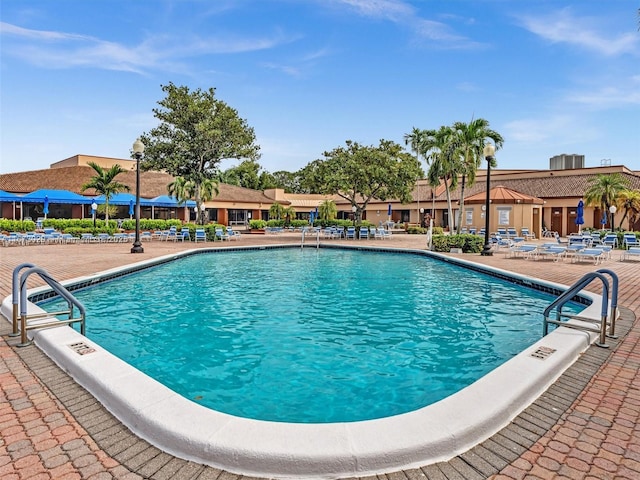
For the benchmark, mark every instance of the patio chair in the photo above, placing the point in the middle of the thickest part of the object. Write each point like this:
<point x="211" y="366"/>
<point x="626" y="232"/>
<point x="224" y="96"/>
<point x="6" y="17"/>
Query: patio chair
<point x="502" y="231"/>
<point x="351" y="233"/>
<point x="233" y="235"/>
<point x="524" y="231"/>
<point x="630" y="240"/>
<point x="364" y="233"/>
<point x="184" y="234"/>
<point x="631" y="253"/>
<point x="610" y="239"/>
<point x="200" y="235"/>
<point x="595" y="254"/>
<point x="512" y="232"/>
<point x="220" y="235"/>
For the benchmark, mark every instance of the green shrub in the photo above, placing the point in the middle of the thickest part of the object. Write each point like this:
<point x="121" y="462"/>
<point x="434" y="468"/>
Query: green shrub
<point x="17" y="225"/>
<point x="467" y="242"/>
<point x="257" y="224"/>
<point x="415" y="230"/>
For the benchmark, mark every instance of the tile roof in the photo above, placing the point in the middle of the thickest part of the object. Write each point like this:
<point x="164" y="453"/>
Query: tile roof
<point x="548" y="186"/>
<point x="152" y="184"/>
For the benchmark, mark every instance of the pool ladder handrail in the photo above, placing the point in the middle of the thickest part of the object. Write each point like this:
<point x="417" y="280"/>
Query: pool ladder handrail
<point x="19" y="297"/>
<point x="566" y="296"/>
<point x="304" y="231"/>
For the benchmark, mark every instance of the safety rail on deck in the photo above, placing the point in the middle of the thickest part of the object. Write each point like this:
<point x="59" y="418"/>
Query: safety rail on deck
<point x="598" y="327"/>
<point x="19" y="300"/>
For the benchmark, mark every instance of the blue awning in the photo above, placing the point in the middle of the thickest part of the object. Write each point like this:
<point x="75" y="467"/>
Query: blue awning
<point x="9" y="197"/>
<point x="123" y="199"/>
<point x="171" y="202"/>
<point x="55" y="196"/>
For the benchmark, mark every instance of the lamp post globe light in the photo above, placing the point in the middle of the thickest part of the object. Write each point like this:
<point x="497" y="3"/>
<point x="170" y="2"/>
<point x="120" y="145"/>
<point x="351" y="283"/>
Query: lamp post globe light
<point x="420" y="217"/>
<point x="138" y="151"/>
<point x="94" y="211"/>
<point x="488" y="152"/>
<point x="613" y="209"/>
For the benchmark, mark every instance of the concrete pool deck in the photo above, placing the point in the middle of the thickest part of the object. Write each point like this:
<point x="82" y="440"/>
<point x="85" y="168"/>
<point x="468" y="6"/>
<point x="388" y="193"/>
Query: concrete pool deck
<point x="582" y="426"/>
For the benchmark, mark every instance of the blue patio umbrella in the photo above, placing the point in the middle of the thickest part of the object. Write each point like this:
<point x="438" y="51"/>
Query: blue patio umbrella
<point x="311" y="217"/>
<point x="45" y="208"/>
<point x="580" y="215"/>
<point x="131" y="210"/>
<point x="389" y="211"/>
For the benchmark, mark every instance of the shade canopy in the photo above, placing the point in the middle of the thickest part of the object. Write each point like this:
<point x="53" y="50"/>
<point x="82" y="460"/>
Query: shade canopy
<point x="55" y="196"/>
<point x="580" y="213"/>
<point x="9" y="197"/>
<point x="170" y="202"/>
<point x="123" y="199"/>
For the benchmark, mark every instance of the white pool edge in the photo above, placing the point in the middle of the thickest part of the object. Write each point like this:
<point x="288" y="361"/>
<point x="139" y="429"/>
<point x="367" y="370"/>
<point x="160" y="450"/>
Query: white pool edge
<point x="435" y="433"/>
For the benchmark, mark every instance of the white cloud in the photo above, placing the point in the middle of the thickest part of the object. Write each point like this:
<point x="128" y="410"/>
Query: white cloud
<point x="57" y="50"/>
<point x="564" y="27"/>
<point x="561" y="129"/>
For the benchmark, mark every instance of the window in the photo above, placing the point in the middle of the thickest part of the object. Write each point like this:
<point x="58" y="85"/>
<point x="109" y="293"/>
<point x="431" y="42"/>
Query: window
<point x="504" y="215"/>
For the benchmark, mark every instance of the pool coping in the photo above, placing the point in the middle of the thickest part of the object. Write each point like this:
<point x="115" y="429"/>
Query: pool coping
<point x="376" y="446"/>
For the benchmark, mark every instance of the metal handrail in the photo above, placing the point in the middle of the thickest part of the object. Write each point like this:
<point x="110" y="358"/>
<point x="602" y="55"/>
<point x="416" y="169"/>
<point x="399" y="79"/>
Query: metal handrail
<point x="559" y="302"/>
<point x="21" y="286"/>
<point x="614" y="301"/>
<point x="15" y="296"/>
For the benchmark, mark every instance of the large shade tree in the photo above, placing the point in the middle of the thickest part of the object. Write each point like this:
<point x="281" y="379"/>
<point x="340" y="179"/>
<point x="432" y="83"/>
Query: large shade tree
<point x="360" y="173"/>
<point x="104" y="183"/>
<point x="196" y="132"/>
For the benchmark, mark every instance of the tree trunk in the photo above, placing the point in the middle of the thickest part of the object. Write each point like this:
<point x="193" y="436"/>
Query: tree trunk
<point x="460" y="212"/>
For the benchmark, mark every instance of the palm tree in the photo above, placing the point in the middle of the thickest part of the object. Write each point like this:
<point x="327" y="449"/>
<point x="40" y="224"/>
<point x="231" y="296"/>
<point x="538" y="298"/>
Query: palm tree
<point x="184" y="190"/>
<point x="327" y="210"/>
<point x="629" y="200"/>
<point x="438" y="148"/>
<point x="604" y="190"/>
<point x="288" y="213"/>
<point x="276" y="211"/>
<point x="470" y="140"/>
<point x="104" y="183"/>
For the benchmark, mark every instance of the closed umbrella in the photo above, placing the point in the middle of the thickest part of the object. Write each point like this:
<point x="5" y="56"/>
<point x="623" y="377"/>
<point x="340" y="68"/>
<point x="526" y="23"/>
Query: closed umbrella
<point x="131" y="211"/>
<point x="45" y="209"/>
<point x="389" y="212"/>
<point x="580" y="215"/>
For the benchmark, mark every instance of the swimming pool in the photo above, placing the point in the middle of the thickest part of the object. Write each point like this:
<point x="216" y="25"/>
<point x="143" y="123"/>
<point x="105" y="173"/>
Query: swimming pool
<point x="421" y="437"/>
<point x="326" y="335"/>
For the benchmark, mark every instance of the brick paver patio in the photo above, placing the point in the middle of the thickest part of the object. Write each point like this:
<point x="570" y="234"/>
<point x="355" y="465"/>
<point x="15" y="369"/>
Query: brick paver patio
<point x="586" y="426"/>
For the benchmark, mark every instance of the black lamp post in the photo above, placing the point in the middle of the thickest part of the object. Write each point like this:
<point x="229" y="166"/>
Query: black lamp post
<point x="488" y="152"/>
<point x="138" y="150"/>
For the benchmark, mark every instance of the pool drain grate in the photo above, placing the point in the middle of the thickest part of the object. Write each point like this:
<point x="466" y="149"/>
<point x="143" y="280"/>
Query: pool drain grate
<point x="543" y="353"/>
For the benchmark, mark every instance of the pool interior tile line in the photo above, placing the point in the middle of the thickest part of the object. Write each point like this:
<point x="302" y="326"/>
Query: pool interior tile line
<point x="482" y="461"/>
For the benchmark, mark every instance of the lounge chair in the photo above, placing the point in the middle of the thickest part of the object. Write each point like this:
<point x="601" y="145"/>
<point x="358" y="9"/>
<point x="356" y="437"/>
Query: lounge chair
<point x="512" y="232"/>
<point x="560" y="241"/>
<point x="351" y="233"/>
<point x="200" y="235"/>
<point x="595" y="254"/>
<point x="525" y="251"/>
<point x="502" y="231"/>
<point x="631" y="253"/>
<point x="554" y="252"/>
<point x="364" y="233"/>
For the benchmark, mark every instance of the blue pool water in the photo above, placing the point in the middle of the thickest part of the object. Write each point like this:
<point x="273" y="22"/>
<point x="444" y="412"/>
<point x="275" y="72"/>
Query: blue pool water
<point x="312" y="335"/>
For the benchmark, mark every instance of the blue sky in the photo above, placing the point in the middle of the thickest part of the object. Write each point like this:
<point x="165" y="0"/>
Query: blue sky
<point x="552" y="77"/>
